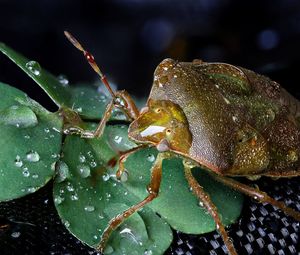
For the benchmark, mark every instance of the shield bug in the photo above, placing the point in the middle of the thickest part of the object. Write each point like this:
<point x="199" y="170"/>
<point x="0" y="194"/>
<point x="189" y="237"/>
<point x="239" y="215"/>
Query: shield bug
<point x="226" y="119"/>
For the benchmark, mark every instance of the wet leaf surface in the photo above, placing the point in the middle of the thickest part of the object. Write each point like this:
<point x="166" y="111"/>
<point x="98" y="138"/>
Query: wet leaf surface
<point x="30" y="144"/>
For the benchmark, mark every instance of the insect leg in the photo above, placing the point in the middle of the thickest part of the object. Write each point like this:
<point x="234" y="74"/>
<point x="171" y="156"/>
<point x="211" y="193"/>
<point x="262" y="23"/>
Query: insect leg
<point x="98" y="131"/>
<point x="124" y="156"/>
<point x="210" y="207"/>
<point x="257" y="195"/>
<point x="153" y="189"/>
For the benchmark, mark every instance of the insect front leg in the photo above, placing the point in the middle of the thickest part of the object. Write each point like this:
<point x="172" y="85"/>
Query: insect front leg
<point x="209" y="205"/>
<point x="257" y="195"/>
<point x="98" y="131"/>
<point x="153" y="189"/>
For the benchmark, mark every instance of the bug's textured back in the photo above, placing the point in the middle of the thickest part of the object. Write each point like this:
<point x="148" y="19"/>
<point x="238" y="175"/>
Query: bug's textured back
<point x="242" y="123"/>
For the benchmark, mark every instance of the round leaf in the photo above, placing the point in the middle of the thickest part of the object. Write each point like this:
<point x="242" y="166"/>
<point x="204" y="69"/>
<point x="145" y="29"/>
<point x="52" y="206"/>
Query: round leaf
<point x="175" y="198"/>
<point x="87" y="196"/>
<point x="30" y="143"/>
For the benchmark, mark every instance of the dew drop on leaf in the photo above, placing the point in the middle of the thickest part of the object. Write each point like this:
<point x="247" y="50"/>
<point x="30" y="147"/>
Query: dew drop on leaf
<point x="118" y="139"/>
<point x="58" y="200"/>
<point x="63" y="80"/>
<point x="150" y="157"/>
<point x="18" y="161"/>
<point x="26" y="172"/>
<point x="62" y="171"/>
<point x="89" y="208"/>
<point x="18" y="116"/>
<point x="34" y="67"/>
<point x="84" y="171"/>
<point x="31" y="189"/>
<point x="32" y="156"/>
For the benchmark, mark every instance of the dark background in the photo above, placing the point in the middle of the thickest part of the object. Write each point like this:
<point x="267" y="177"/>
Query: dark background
<point x="128" y="39"/>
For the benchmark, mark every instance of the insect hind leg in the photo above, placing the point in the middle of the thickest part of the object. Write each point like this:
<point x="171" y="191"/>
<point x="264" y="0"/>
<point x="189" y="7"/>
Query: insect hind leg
<point x="210" y="207"/>
<point x="258" y="195"/>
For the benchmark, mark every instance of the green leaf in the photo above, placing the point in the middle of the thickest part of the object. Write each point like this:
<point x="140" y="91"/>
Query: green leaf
<point x="176" y="203"/>
<point x="87" y="196"/>
<point x="89" y="103"/>
<point x="30" y="143"/>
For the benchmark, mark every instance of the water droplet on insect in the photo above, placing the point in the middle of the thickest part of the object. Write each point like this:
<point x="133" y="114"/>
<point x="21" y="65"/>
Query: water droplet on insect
<point x="63" y="80"/>
<point x="118" y="139"/>
<point x="34" y="67"/>
<point x="18" y="161"/>
<point x="89" y="208"/>
<point x="150" y="157"/>
<point x="62" y="170"/>
<point x="32" y="156"/>
<point x="15" y="234"/>
<point x="84" y="171"/>
<point x="18" y="116"/>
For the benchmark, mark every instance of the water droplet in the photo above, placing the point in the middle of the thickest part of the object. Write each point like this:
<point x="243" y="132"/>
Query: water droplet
<point x="70" y="187"/>
<point x="78" y="109"/>
<point x="62" y="170"/>
<point x="67" y="224"/>
<point x="82" y="158"/>
<point x="18" y="116"/>
<point x="150" y="157"/>
<point x="35" y="176"/>
<point x="34" y="67"/>
<point x="124" y="176"/>
<point x="63" y="80"/>
<point x="89" y="208"/>
<point x="32" y="156"/>
<point x="101" y="216"/>
<point x="118" y="139"/>
<point x="47" y="130"/>
<point x="106" y="177"/>
<point x="93" y="164"/>
<point x="15" y="234"/>
<point x="25" y="172"/>
<point x="58" y="200"/>
<point x="18" y="161"/>
<point x="27" y="136"/>
<point x="31" y="189"/>
<point x="148" y="252"/>
<point x="84" y="171"/>
<point x="108" y="249"/>
<point x="74" y="197"/>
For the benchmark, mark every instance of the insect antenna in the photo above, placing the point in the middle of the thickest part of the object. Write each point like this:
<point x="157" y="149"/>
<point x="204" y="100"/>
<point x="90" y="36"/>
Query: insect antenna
<point x="91" y="60"/>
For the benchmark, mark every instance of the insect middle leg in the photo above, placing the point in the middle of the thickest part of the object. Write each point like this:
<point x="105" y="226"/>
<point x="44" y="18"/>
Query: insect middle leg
<point x="153" y="189"/>
<point x="257" y="195"/>
<point x="209" y="206"/>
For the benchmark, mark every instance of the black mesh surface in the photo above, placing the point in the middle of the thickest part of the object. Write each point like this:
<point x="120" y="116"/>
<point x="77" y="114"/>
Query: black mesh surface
<point x="30" y="225"/>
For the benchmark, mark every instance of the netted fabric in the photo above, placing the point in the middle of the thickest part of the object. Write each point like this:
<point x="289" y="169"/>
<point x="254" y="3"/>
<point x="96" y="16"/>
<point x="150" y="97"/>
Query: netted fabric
<point x="30" y="225"/>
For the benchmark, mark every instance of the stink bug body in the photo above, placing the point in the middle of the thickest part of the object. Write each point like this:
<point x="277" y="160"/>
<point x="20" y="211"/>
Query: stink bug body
<point x="226" y="119"/>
